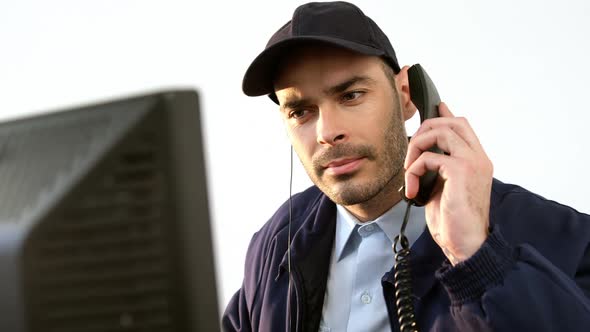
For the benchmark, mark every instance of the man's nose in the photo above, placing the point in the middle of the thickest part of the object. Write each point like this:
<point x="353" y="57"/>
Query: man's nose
<point x="331" y="128"/>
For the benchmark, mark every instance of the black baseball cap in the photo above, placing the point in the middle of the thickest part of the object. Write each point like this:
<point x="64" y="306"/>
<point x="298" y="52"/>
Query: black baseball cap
<point x="338" y="23"/>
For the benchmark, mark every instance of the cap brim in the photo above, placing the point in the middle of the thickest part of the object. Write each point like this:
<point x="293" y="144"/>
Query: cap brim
<point x="259" y="77"/>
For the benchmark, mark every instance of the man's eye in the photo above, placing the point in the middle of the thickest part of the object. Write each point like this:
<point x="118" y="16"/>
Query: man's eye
<point x="352" y="95"/>
<point x="296" y="114"/>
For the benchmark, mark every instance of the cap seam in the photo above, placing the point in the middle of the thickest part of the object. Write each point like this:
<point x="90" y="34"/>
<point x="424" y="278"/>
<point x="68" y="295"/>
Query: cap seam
<point x="371" y="32"/>
<point x="368" y="25"/>
<point x="294" y="28"/>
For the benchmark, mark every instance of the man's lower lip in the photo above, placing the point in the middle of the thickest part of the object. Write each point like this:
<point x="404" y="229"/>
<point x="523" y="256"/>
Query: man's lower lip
<point x="345" y="168"/>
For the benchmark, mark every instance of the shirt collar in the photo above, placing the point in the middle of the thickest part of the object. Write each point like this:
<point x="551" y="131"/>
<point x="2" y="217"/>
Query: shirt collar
<point x="345" y="225"/>
<point x="389" y="222"/>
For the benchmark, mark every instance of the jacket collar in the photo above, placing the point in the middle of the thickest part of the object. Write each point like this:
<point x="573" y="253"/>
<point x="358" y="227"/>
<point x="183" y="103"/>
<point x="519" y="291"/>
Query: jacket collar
<point x="314" y="235"/>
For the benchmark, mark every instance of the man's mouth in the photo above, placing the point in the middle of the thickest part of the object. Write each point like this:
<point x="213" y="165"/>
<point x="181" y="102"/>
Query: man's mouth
<point x="343" y="166"/>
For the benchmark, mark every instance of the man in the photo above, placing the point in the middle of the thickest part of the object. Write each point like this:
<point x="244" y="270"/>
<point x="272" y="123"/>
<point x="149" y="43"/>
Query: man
<point x="484" y="255"/>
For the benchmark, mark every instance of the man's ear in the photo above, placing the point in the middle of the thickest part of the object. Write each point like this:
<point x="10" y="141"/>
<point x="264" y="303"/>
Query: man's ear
<point x="403" y="87"/>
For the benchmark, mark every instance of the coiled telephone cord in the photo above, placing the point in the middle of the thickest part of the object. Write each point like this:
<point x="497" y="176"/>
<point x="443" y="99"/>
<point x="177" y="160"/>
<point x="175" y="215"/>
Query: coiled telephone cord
<point x="403" y="279"/>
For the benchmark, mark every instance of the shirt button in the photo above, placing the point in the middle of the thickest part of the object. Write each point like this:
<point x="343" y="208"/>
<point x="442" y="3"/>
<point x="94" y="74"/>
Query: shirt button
<point x="366" y="298"/>
<point x="369" y="228"/>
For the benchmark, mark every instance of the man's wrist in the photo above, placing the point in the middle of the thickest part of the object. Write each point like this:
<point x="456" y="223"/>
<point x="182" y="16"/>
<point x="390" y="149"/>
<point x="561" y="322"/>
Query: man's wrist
<point x="468" y="279"/>
<point x="460" y="254"/>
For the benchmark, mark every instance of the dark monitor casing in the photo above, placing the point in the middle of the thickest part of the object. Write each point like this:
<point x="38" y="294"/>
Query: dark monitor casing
<point x="104" y="219"/>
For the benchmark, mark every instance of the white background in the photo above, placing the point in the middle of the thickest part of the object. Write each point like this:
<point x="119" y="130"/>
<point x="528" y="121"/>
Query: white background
<point x="518" y="70"/>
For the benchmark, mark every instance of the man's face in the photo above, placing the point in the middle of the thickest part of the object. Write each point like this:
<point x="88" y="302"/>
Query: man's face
<point x="344" y="119"/>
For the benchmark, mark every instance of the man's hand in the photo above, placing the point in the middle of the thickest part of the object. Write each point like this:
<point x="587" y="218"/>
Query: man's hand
<point x="457" y="213"/>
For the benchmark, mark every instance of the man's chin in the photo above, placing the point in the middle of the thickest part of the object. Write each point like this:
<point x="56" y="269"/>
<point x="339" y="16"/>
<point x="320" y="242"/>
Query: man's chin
<point x="350" y="192"/>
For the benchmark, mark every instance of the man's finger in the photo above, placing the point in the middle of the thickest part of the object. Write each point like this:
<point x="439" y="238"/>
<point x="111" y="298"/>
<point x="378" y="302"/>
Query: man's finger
<point x="428" y="161"/>
<point x="443" y="137"/>
<point x="458" y="125"/>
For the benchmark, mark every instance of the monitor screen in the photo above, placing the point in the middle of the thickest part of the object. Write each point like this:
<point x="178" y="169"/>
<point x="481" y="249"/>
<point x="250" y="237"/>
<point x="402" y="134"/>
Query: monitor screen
<point x="104" y="219"/>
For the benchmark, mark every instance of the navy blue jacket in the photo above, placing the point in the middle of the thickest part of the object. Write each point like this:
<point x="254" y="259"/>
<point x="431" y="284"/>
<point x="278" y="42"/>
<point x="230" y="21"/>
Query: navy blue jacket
<point x="531" y="274"/>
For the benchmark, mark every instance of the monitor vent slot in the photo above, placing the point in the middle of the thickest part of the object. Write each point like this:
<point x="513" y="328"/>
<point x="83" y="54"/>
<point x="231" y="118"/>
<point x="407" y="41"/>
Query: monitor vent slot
<point x="103" y="261"/>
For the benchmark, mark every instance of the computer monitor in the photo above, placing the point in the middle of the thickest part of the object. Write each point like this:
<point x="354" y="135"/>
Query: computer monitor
<point x="104" y="222"/>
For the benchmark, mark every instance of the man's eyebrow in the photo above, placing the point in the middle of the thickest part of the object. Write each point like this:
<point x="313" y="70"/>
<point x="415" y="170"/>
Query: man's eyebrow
<point x="341" y="87"/>
<point x="294" y="103"/>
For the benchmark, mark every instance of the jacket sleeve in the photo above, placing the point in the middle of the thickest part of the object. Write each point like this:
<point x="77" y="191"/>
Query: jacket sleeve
<point x="506" y="288"/>
<point x="236" y="316"/>
<point x="238" y="313"/>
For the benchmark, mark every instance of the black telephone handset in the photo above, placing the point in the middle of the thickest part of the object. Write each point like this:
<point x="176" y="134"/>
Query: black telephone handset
<point x="425" y="97"/>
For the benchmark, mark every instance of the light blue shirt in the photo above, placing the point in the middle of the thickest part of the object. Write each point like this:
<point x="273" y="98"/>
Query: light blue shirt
<point x="361" y="255"/>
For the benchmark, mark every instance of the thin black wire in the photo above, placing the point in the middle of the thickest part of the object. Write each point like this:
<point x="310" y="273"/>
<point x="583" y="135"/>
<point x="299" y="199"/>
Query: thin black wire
<point x="290" y="214"/>
<point x="289" y="240"/>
